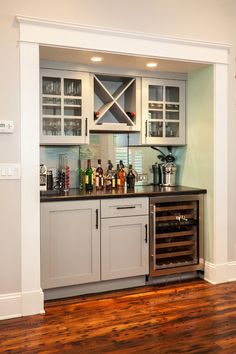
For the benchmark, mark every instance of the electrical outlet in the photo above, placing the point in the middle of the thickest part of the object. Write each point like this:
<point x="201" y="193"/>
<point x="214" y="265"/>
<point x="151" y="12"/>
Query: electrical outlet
<point x="143" y="177"/>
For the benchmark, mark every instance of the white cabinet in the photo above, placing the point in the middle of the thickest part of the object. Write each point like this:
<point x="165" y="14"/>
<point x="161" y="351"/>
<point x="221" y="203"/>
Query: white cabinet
<point x="124" y="238"/>
<point x="163" y="112"/>
<point x="70" y="243"/>
<point x="65" y="107"/>
<point x="117" y="103"/>
<point x="76" y="248"/>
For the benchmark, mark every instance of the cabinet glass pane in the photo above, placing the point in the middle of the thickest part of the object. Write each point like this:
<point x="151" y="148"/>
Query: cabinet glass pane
<point x="155" y="115"/>
<point x="72" y="101"/>
<point x="172" y="115"/>
<point x="172" y="130"/>
<point x="73" y="111"/>
<point x="72" y="87"/>
<point x="155" y="129"/>
<point x="51" y="110"/>
<point x="51" y="126"/>
<point x="172" y="94"/>
<point x="172" y="111"/>
<point x="73" y="127"/>
<point x="52" y="101"/>
<point x="51" y="86"/>
<point x="155" y="93"/>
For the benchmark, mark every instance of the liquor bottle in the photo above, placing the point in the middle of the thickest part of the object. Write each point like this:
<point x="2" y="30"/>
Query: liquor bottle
<point x="88" y="177"/>
<point x="122" y="174"/>
<point x="79" y="173"/>
<point x="108" y="176"/>
<point x="99" y="180"/>
<point x="117" y="177"/>
<point x="130" y="178"/>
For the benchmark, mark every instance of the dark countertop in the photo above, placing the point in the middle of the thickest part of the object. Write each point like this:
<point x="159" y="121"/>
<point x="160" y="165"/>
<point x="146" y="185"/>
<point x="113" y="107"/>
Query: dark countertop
<point x="139" y="191"/>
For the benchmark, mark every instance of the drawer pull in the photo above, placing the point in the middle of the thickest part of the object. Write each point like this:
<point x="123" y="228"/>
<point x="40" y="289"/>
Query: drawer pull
<point x="126" y="207"/>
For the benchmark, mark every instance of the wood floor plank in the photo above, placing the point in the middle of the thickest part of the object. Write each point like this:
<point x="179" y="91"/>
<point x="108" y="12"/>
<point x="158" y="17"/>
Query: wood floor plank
<point x="189" y="317"/>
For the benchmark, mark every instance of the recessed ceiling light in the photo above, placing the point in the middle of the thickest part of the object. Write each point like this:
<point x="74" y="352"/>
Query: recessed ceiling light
<point x="151" y="65"/>
<point x="97" y="59"/>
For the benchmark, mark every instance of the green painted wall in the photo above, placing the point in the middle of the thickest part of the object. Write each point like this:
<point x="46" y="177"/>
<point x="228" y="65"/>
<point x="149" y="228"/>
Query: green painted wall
<point x="196" y="159"/>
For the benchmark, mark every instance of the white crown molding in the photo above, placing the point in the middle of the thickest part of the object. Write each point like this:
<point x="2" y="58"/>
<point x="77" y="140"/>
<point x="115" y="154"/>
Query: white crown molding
<point x="118" y="32"/>
<point x="52" y="32"/>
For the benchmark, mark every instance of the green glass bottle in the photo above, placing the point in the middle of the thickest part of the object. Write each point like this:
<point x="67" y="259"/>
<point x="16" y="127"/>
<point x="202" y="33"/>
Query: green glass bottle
<point x="88" y="177"/>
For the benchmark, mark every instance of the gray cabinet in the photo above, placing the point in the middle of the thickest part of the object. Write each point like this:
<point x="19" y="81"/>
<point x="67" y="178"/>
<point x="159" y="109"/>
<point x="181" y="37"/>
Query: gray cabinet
<point x="163" y="112"/>
<point x="65" y="108"/>
<point x="75" y="251"/>
<point x="124" y="238"/>
<point x="70" y="243"/>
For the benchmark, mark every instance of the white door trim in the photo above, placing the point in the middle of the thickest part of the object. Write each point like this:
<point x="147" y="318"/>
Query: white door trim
<point x="35" y="32"/>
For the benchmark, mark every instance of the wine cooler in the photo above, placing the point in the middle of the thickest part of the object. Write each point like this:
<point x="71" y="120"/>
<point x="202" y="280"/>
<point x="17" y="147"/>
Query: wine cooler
<point x="176" y="234"/>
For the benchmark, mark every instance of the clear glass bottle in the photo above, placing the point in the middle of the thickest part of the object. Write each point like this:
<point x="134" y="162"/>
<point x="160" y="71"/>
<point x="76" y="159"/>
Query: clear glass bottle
<point x="99" y="179"/>
<point x="88" y="177"/>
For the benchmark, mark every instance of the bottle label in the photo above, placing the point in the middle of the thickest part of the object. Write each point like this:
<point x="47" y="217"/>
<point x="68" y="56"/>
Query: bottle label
<point x="86" y="179"/>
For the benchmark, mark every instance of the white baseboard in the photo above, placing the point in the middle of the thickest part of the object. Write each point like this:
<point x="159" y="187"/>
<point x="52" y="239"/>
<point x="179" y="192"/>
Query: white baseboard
<point x="32" y="302"/>
<point x="10" y="306"/>
<point x="232" y="271"/>
<point x="21" y="304"/>
<point x="220" y="273"/>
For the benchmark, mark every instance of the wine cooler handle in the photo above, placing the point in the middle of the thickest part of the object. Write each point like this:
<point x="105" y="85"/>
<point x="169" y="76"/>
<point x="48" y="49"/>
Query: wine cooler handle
<point x="153" y="212"/>
<point x="86" y="126"/>
<point x="146" y="128"/>
<point x="96" y="218"/>
<point x="146" y="233"/>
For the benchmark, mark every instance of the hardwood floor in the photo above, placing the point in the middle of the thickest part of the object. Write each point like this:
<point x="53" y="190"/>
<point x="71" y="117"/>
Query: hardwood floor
<point x="192" y="317"/>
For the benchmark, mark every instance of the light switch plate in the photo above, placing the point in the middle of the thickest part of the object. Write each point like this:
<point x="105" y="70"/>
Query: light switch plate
<point x="9" y="171"/>
<point x="6" y="126"/>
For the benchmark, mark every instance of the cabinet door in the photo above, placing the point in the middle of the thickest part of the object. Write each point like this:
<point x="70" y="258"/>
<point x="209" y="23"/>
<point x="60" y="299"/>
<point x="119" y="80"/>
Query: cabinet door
<point x="124" y="247"/>
<point x="70" y="243"/>
<point x="64" y="107"/>
<point x="163" y="112"/>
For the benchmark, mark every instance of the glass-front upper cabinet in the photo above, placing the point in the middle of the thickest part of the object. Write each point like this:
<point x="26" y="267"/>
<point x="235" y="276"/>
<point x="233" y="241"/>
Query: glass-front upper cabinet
<point x="64" y="107"/>
<point x="163" y="112"/>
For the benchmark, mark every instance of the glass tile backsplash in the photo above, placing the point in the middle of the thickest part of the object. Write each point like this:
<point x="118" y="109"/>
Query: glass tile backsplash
<point x="106" y="147"/>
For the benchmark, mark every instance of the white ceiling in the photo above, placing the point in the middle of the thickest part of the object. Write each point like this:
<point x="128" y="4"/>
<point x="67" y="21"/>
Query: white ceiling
<point x="118" y="61"/>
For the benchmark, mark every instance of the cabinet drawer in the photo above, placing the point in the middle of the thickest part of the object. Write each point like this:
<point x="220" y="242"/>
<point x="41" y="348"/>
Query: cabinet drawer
<point x="124" y="207"/>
